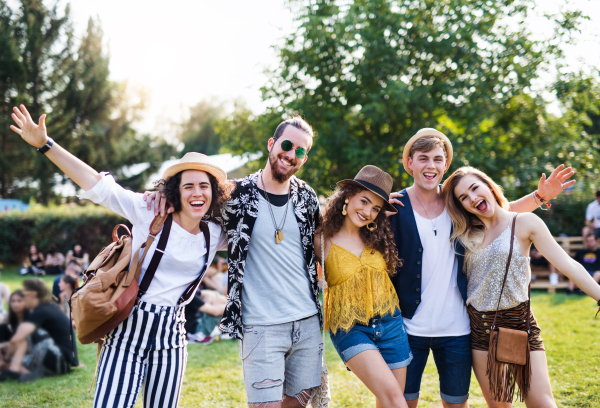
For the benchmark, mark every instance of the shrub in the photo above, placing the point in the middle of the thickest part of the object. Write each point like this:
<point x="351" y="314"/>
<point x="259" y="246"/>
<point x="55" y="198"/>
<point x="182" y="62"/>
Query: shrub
<point x="64" y="226"/>
<point x="567" y="214"/>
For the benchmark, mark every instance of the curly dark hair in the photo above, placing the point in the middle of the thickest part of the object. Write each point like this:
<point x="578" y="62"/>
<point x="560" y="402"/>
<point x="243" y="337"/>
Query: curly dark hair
<point x="221" y="192"/>
<point x="382" y="239"/>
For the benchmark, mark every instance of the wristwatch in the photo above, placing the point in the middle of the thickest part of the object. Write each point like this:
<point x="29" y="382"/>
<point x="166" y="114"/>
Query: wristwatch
<point x="46" y="147"/>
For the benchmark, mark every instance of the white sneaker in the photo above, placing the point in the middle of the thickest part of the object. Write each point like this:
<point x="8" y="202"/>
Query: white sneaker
<point x="195" y="337"/>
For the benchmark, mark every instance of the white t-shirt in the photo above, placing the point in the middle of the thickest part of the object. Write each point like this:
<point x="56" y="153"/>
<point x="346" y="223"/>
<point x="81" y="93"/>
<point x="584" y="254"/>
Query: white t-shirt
<point x="185" y="253"/>
<point x="442" y="311"/>
<point x="592" y="213"/>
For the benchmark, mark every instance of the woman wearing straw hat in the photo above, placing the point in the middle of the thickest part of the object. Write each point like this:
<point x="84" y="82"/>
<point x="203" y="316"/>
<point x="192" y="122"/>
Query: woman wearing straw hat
<point x="149" y="348"/>
<point x="361" y="305"/>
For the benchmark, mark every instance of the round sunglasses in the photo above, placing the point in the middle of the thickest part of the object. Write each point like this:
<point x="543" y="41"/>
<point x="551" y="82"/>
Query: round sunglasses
<point x="286" y="146"/>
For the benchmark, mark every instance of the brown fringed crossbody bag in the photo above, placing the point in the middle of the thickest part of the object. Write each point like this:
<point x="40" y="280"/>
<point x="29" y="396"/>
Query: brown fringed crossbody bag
<point x="508" y="355"/>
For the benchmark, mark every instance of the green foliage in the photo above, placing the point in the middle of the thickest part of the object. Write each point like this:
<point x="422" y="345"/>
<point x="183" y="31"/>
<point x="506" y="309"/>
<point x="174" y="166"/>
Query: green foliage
<point x="45" y="68"/>
<point x="368" y="74"/>
<point x="198" y="132"/>
<point x="567" y="213"/>
<point x="63" y="226"/>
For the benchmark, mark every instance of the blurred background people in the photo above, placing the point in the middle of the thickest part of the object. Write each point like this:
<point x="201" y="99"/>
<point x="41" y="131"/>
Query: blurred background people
<point x="67" y="285"/>
<point x="592" y="215"/>
<point x="4" y="298"/>
<point x="41" y="344"/>
<point x="15" y="316"/>
<point x="203" y="314"/>
<point x="589" y="258"/>
<point x="54" y="262"/>
<point x="73" y="270"/>
<point x="34" y="263"/>
<point x="77" y="254"/>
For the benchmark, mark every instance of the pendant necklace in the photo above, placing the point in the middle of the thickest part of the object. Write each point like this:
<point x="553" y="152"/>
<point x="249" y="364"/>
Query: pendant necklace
<point x="278" y="230"/>
<point x="433" y="221"/>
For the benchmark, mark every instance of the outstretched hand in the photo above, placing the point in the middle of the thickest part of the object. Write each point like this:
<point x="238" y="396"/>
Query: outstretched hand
<point x="549" y="188"/>
<point x="32" y="133"/>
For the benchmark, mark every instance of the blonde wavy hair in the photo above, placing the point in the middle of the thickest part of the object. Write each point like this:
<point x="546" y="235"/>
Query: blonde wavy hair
<point x="467" y="228"/>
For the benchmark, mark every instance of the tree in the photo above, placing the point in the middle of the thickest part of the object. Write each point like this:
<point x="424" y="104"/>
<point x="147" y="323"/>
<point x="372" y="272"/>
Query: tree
<point x="368" y="74"/>
<point x="44" y="68"/>
<point x="198" y="133"/>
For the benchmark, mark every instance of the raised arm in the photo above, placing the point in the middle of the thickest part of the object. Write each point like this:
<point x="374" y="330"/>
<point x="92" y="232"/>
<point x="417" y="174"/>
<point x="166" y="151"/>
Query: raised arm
<point x="35" y="134"/>
<point x="547" y="189"/>
<point x="538" y="233"/>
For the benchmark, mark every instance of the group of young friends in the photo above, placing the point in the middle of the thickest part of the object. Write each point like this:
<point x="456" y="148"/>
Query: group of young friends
<point x="406" y="273"/>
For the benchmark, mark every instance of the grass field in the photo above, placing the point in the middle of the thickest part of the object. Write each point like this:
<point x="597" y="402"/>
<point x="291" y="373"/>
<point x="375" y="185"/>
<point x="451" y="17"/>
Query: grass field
<point x="214" y="375"/>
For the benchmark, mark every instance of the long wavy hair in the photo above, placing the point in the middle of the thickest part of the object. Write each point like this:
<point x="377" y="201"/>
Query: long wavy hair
<point x="467" y="228"/>
<point x="382" y="239"/>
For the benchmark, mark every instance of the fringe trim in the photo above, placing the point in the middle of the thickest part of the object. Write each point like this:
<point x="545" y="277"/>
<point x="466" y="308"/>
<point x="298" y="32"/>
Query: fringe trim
<point x="504" y="377"/>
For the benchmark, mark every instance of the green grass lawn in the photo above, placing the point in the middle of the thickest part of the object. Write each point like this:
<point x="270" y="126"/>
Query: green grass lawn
<point x="214" y="372"/>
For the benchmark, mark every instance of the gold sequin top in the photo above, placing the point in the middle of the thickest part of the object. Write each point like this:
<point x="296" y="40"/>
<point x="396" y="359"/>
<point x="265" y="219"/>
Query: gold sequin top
<point x="357" y="288"/>
<point x="487" y="272"/>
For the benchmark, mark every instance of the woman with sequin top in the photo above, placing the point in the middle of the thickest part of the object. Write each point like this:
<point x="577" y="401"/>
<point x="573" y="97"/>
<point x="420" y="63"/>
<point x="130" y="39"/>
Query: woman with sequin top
<point x="482" y="223"/>
<point x="362" y="311"/>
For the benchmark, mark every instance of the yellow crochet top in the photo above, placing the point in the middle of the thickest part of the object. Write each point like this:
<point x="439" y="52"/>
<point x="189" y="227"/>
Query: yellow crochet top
<point x="357" y="288"/>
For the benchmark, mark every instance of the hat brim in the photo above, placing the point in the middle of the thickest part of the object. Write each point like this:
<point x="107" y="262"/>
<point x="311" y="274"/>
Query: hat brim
<point x="216" y="171"/>
<point x="372" y="188"/>
<point x="424" y="133"/>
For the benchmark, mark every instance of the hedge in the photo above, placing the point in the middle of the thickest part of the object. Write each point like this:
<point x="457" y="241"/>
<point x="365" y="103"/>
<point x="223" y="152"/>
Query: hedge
<point x="89" y="225"/>
<point x="567" y="213"/>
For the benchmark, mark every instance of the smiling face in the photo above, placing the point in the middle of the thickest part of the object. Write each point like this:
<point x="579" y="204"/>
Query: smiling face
<point x="428" y="167"/>
<point x="363" y="208"/>
<point x="195" y="192"/>
<point x="475" y="196"/>
<point x="285" y="164"/>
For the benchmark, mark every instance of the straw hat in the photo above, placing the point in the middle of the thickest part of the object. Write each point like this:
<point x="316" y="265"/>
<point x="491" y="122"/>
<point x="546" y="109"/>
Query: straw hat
<point x="195" y="161"/>
<point x="375" y="180"/>
<point x="422" y="133"/>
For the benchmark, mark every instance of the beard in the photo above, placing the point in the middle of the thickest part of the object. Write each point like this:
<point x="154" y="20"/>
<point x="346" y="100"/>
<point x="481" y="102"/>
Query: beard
<point x="279" y="175"/>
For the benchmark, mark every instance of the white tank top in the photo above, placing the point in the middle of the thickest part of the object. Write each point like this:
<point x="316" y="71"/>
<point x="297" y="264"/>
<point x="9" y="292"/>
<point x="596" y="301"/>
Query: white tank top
<point x="442" y="311"/>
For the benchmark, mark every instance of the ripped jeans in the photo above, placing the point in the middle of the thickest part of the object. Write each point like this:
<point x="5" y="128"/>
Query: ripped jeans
<point x="282" y="359"/>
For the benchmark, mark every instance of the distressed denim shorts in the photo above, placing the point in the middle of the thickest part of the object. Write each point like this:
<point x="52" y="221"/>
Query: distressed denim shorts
<point x="281" y="359"/>
<point x="385" y="334"/>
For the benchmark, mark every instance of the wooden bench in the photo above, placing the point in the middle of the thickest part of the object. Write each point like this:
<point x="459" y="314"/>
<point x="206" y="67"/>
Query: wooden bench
<point x="542" y="273"/>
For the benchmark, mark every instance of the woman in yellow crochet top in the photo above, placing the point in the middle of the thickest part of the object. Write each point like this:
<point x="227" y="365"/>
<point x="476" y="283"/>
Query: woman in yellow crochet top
<point x="361" y="305"/>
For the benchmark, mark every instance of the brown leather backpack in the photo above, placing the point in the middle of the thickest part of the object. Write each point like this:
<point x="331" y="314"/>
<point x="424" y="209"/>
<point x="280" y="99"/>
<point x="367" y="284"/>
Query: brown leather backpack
<point x="110" y="287"/>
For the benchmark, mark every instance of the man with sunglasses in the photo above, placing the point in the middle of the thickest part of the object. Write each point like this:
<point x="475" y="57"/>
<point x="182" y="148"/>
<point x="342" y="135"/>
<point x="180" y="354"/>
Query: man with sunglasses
<point x="272" y="301"/>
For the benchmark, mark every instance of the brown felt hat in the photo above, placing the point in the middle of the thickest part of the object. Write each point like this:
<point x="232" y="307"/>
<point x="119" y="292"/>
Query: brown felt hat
<point x="195" y="161"/>
<point x="423" y="133"/>
<point x="375" y="180"/>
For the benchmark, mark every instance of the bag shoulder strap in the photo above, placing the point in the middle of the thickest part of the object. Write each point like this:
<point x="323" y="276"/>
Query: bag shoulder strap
<point x="191" y="289"/>
<point x="323" y="288"/>
<point x="158" y="252"/>
<point x="512" y="236"/>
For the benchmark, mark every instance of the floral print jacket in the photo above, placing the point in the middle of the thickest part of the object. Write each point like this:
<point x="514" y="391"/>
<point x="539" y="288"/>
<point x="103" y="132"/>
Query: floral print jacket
<point x="238" y="217"/>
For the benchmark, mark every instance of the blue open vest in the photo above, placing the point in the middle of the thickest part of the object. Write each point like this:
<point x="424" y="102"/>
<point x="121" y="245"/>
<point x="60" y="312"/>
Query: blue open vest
<point x="407" y="280"/>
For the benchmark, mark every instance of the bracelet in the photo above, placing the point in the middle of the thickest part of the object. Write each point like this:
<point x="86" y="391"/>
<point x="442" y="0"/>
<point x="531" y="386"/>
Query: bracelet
<point x="598" y="303"/>
<point x="542" y="202"/>
<point x="47" y="146"/>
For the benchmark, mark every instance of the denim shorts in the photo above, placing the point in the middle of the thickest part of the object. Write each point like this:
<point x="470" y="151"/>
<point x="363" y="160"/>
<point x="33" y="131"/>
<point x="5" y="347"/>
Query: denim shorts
<point x="385" y="334"/>
<point x="281" y="359"/>
<point x="452" y="356"/>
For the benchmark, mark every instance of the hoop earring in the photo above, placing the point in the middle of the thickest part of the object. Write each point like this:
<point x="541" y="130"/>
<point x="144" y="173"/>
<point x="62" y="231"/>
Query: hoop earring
<point x="373" y="228"/>
<point x="344" y="212"/>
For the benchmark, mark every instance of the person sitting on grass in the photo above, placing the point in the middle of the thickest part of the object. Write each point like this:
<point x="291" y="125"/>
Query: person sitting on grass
<point x="73" y="270"/>
<point x="78" y="255"/>
<point x="589" y="258"/>
<point x="67" y="285"/>
<point x="49" y="332"/>
<point x="15" y="316"/>
<point x="4" y="298"/>
<point x="203" y="314"/>
<point x="34" y="263"/>
<point x="55" y="261"/>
